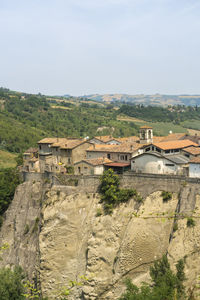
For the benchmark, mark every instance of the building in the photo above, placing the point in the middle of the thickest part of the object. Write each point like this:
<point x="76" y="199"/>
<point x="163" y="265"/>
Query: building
<point x="95" y="166"/>
<point x="30" y="160"/>
<point x="194" y="167"/>
<point x="155" y="163"/>
<point x="117" y="153"/>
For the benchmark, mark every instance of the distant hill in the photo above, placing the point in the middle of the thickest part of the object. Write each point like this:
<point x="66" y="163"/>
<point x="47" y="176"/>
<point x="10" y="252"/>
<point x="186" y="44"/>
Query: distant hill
<point x="157" y="99"/>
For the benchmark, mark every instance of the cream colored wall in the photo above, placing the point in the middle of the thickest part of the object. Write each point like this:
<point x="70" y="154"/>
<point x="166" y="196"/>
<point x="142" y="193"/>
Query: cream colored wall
<point x="85" y="169"/>
<point x="152" y="164"/>
<point x="113" y="156"/>
<point x="194" y="170"/>
<point x="79" y="153"/>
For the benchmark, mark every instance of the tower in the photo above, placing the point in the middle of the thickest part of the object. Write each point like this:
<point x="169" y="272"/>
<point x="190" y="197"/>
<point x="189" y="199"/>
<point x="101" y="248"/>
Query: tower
<point x="146" y="135"/>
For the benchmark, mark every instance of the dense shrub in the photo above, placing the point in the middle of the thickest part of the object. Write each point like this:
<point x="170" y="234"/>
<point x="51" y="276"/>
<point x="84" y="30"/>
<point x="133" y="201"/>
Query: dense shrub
<point x="190" y="222"/>
<point x="111" y="194"/>
<point x="166" y="196"/>
<point x="165" y="284"/>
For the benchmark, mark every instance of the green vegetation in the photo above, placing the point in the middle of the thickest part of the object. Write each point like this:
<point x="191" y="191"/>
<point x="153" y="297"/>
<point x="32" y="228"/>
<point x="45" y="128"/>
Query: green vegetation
<point x="111" y="194"/>
<point x="166" y="196"/>
<point x="11" y="286"/>
<point x="165" y="284"/>
<point x="9" y="179"/>
<point x="26" y="229"/>
<point x="7" y="159"/>
<point x="190" y="222"/>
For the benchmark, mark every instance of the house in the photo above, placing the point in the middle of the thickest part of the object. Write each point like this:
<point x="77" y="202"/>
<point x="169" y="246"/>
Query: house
<point x="30" y="160"/>
<point x="118" y="167"/>
<point x="95" y="166"/>
<point x="106" y="140"/>
<point x="117" y="153"/>
<point x="156" y="163"/>
<point x="194" y="167"/>
<point x="57" y="154"/>
<point x="191" y="151"/>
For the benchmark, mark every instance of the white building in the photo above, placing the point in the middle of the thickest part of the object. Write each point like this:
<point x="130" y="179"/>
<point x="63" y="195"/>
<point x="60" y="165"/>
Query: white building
<point x="155" y="163"/>
<point x="194" y="167"/>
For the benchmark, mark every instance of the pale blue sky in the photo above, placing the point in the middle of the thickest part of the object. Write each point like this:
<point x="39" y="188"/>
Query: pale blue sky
<point x="100" y="46"/>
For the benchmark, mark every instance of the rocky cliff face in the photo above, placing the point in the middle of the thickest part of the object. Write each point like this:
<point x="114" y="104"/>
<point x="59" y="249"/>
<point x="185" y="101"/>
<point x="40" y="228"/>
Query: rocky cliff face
<point x="68" y="239"/>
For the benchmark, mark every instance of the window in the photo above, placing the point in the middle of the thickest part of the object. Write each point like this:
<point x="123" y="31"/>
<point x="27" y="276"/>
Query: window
<point x="122" y="157"/>
<point x="169" y="165"/>
<point x="40" y="147"/>
<point x="167" y="151"/>
<point x="126" y="157"/>
<point x="108" y="155"/>
<point x="158" y="150"/>
<point x="176" y="150"/>
<point x="79" y="169"/>
<point x="147" y="149"/>
<point x="69" y="161"/>
<point x="153" y="148"/>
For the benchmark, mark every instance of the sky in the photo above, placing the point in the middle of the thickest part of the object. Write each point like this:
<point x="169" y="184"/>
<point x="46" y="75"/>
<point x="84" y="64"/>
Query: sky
<point x="82" y="47"/>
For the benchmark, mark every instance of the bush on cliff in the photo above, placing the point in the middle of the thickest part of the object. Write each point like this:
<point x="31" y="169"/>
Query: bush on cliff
<point x="111" y="194"/>
<point x="11" y="286"/>
<point x="165" y="284"/>
<point x="9" y="179"/>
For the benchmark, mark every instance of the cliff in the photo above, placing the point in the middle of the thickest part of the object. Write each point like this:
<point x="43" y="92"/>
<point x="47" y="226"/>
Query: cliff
<point x="57" y="233"/>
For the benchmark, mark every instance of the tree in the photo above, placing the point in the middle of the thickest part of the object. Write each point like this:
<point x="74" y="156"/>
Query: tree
<point x="111" y="194"/>
<point x="11" y="287"/>
<point x="165" y="284"/>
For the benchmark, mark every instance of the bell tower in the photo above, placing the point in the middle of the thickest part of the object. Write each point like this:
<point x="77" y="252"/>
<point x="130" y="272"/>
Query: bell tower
<point x="146" y="135"/>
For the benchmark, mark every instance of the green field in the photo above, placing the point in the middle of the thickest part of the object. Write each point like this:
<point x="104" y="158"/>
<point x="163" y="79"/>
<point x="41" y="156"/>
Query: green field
<point x="160" y="128"/>
<point x="7" y="160"/>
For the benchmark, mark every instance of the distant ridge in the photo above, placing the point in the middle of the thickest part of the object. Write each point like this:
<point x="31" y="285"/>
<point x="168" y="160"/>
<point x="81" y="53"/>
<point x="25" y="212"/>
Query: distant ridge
<point x="157" y="99"/>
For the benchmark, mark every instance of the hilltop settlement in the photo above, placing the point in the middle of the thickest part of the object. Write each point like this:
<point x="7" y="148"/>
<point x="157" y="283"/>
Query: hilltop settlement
<point x="175" y="154"/>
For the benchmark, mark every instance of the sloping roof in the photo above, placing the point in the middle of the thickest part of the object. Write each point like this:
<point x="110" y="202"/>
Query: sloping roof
<point x="117" y="164"/>
<point x="173" y="137"/>
<point x="177" y="159"/>
<point x="123" y="148"/>
<point x="128" y="139"/>
<point x="105" y="138"/>
<point x="96" y="161"/>
<point x="68" y="144"/>
<point x="195" y="160"/>
<point x="179" y="144"/>
<point x="31" y="150"/>
<point x="51" y="140"/>
<point x="193" y="150"/>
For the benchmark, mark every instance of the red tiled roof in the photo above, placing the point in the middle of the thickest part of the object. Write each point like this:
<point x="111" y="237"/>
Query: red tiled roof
<point x="123" y="148"/>
<point x="96" y="161"/>
<point x="179" y="144"/>
<point x="195" y="160"/>
<point x="117" y="164"/>
<point x="193" y="150"/>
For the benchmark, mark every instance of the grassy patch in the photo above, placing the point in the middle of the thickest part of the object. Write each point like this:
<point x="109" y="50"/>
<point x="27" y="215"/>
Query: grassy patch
<point x="7" y="159"/>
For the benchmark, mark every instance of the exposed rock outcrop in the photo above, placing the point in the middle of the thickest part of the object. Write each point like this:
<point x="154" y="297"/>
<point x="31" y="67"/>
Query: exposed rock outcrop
<point x="66" y="238"/>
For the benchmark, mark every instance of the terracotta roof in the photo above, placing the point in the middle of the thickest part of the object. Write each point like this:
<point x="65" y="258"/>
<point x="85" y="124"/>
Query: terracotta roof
<point x="96" y="161"/>
<point x="68" y="144"/>
<point x="105" y="138"/>
<point x="195" y="160"/>
<point x="145" y="127"/>
<point x="123" y="148"/>
<point x="193" y="150"/>
<point x="128" y="139"/>
<point x="31" y="150"/>
<point x="173" y="137"/>
<point x="117" y="164"/>
<point x="157" y="139"/>
<point x="179" y="144"/>
<point x="51" y="140"/>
